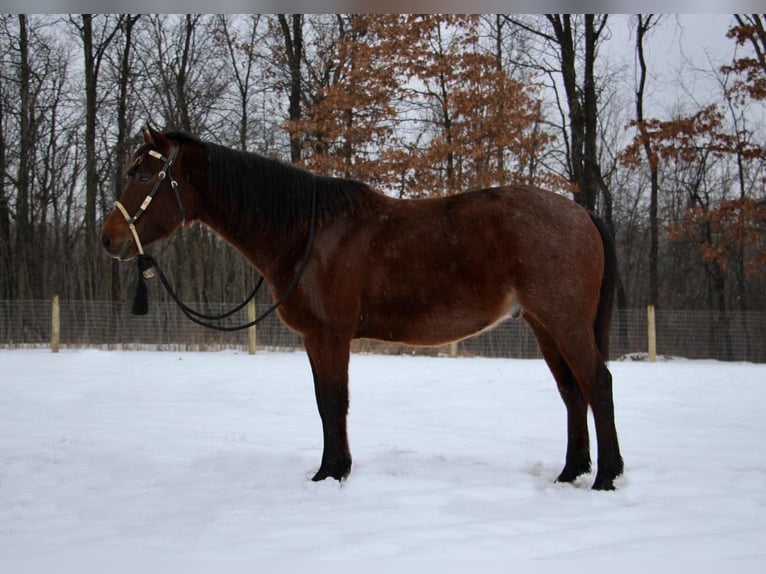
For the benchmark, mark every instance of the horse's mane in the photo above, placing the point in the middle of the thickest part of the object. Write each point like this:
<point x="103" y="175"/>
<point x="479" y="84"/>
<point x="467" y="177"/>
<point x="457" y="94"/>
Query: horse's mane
<point x="274" y="192"/>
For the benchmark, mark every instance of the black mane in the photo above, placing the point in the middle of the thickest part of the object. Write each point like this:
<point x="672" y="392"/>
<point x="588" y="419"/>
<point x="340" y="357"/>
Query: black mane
<point x="275" y="193"/>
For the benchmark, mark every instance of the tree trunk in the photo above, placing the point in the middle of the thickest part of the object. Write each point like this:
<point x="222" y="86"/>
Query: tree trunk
<point x="562" y="27"/>
<point x="5" y="215"/>
<point x="293" y="37"/>
<point x="591" y="174"/>
<point x="643" y="27"/>
<point x="446" y="114"/>
<point x="23" y="235"/>
<point x="91" y="182"/>
<point x="121" y="145"/>
<point x="183" y="69"/>
<point x="502" y="178"/>
<point x="585" y="171"/>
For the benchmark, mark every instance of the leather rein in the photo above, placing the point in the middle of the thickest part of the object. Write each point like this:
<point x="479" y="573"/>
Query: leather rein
<point x="147" y="265"/>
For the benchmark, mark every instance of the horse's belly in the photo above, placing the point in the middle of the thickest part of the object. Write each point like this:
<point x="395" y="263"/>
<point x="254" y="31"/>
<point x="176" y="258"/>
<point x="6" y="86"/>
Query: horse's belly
<point x="437" y="324"/>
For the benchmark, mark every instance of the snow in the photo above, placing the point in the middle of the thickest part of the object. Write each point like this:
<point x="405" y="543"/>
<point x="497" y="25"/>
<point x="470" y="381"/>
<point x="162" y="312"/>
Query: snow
<point x="209" y="455"/>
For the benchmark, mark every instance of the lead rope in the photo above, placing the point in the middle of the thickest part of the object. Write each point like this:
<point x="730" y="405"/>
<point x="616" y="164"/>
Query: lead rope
<point x="147" y="263"/>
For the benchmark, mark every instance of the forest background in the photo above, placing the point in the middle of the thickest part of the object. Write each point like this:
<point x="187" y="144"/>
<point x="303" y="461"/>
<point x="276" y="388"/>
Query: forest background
<point x="415" y="105"/>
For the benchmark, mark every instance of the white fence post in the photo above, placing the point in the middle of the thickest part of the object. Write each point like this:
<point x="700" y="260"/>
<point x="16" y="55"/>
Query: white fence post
<point x="652" y="333"/>
<point x="55" y="325"/>
<point x="251" y="340"/>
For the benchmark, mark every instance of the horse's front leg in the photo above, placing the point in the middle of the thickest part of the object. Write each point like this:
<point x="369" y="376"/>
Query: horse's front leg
<point x="329" y="356"/>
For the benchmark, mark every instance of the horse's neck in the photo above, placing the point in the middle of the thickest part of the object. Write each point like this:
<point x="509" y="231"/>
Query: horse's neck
<point x="273" y="252"/>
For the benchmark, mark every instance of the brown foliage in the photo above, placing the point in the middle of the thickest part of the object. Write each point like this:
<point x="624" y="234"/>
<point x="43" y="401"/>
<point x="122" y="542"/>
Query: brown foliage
<point x="722" y="227"/>
<point x="729" y="225"/>
<point x="751" y="69"/>
<point x="414" y="103"/>
<point x="682" y="138"/>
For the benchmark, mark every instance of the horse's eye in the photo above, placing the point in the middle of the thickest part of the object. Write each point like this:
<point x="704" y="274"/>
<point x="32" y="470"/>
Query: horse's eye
<point x="144" y="176"/>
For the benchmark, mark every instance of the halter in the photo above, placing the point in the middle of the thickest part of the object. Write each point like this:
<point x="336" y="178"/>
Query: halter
<point x="164" y="172"/>
<point x="147" y="264"/>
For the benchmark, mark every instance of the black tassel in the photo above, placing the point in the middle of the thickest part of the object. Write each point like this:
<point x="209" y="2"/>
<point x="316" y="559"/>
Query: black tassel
<point x="141" y="298"/>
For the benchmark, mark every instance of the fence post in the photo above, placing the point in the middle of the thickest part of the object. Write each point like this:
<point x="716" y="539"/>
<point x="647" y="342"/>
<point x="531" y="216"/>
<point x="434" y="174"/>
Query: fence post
<point x="453" y="349"/>
<point x="55" y="325"/>
<point x="251" y="340"/>
<point x="652" y="333"/>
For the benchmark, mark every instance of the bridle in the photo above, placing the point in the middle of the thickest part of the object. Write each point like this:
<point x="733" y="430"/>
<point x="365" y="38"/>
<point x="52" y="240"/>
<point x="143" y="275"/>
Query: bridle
<point x="164" y="172"/>
<point x="147" y="264"/>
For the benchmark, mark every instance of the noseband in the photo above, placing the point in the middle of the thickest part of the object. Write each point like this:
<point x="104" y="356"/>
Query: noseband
<point x="165" y="172"/>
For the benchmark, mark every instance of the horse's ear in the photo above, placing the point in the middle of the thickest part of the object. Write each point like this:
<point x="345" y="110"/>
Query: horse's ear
<point x="154" y="138"/>
<point x="148" y="135"/>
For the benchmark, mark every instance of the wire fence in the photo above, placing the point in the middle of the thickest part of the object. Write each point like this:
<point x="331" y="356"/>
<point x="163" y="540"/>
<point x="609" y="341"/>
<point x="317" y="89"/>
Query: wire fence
<point x="731" y="336"/>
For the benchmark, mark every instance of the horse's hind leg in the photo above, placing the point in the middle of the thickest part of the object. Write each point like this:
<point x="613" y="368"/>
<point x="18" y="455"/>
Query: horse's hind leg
<point x="580" y="352"/>
<point x="329" y="357"/>
<point x="578" y="445"/>
<point x="610" y="464"/>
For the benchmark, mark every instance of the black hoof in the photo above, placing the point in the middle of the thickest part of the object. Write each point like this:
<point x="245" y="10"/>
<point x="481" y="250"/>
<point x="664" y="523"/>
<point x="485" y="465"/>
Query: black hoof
<point x="321" y="475"/>
<point x="339" y="472"/>
<point x="605" y="476"/>
<point x="603" y="484"/>
<point x="572" y="471"/>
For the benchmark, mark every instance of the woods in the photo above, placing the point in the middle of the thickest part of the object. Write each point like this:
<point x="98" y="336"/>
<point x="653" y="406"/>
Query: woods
<point x="415" y="105"/>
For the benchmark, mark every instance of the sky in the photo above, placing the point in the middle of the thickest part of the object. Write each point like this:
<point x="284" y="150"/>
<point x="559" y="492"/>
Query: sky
<point x="677" y="53"/>
<point x="679" y="39"/>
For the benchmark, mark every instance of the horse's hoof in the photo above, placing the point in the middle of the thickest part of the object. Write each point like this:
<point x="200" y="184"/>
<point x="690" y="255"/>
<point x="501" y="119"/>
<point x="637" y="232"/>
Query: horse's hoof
<point x="606" y="475"/>
<point x="571" y="472"/>
<point x="339" y="474"/>
<point x="603" y="484"/>
<point x="321" y="475"/>
<point x="605" y="481"/>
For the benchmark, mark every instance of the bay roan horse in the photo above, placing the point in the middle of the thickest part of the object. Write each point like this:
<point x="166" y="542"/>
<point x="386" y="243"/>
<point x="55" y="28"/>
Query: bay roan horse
<point x="421" y="272"/>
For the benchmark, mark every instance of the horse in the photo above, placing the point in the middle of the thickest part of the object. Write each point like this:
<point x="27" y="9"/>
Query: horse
<point x="423" y="272"/>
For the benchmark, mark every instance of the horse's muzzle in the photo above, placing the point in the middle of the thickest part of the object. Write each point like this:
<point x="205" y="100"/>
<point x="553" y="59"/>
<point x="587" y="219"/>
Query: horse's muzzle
<point x="116" y="249"/>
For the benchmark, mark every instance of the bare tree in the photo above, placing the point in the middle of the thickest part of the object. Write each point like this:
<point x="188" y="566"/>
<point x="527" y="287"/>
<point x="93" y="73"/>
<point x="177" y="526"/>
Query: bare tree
<point x="182" y="88"/>
<point x="242" y="50"/>
<point x="120" y="71"/>
<point x="6" y="287"/>
<point x="574" y="40"/>
<point x="180" y="70"/>
<point x="94" y="45"/>
<point x="644" y="23"/>
<point x="23" y="179"/>
<point x="292" y="35"/>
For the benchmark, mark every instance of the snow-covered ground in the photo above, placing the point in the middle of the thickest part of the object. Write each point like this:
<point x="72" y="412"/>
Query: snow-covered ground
<point x="209" y="455"/>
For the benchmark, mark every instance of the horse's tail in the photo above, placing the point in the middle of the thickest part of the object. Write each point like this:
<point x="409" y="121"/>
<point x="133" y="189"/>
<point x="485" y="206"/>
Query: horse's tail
<point x="603" y="320"/>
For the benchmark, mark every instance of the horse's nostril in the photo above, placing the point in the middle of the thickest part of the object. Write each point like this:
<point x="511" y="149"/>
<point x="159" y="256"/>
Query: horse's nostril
<point x="106" y="241"/>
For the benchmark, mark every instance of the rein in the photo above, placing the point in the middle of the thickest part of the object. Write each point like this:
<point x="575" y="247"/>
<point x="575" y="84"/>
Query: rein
<point x="147" y="265"/>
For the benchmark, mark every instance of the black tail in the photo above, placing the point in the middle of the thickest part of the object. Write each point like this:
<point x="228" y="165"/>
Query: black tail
<point x="603" y="320"/>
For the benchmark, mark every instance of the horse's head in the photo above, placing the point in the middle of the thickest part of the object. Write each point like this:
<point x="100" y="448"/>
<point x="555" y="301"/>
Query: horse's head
<point x="152" y="205"/>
